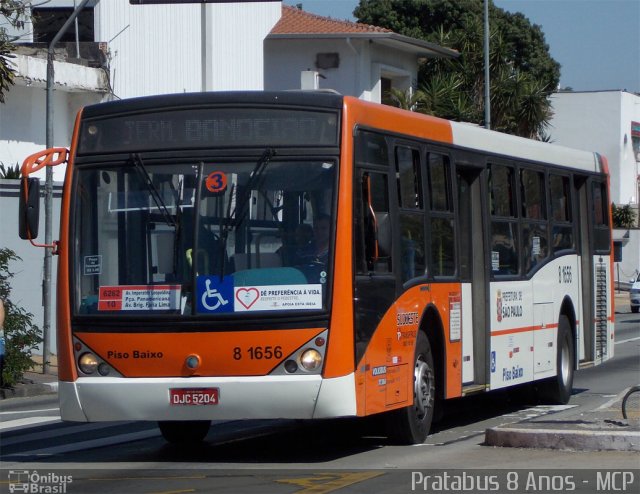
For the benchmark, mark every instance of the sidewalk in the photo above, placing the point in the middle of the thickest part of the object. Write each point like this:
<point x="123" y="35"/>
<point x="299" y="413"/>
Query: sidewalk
<point x="35" y="383"/>
<point x="603" y="428"/>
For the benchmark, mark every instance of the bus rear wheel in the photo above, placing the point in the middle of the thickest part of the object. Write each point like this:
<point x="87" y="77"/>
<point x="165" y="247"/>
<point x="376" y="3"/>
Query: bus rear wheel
<point x="183" y="432"/>
<point x="411" y="425"/>
<point x="557" y="390"/>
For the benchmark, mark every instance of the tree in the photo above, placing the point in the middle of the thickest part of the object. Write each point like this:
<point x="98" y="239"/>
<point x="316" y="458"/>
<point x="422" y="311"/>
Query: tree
<point x="21" y="335"/>
<point x="523" y="73"/>
<point x="623" y="216"/>
<point x="13" y="11"/>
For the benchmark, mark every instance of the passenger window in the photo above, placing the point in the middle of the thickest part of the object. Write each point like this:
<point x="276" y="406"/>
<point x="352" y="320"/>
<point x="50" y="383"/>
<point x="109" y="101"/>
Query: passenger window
<point x="562" y="235"/>
<point x="600" y="206"/>
<point x="442" y="220"/>
<point x="504" y="223"/>
<point x="533" y="199"/>
<point x="412" y="238"/>
<point x="439" y="182"/>
<point x="408" y="176"/>
<point x="501" y="191"/>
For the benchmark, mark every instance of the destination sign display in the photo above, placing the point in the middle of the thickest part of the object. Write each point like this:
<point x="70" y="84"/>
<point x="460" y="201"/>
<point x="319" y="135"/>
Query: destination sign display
<point x="208" y="128"/>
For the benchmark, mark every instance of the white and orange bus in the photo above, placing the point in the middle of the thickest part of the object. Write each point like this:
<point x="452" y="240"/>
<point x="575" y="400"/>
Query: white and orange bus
<point x="251" y="255"/>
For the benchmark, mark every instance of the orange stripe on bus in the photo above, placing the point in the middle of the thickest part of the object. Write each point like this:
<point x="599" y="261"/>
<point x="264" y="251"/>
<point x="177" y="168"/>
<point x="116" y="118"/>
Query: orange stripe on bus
<point x="525" y="329"/>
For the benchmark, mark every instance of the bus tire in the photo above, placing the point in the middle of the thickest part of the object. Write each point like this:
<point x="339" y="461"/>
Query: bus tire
<point x="411" y="425"/>
<point x="184" y="432"/>
<point x="557" y="390"/>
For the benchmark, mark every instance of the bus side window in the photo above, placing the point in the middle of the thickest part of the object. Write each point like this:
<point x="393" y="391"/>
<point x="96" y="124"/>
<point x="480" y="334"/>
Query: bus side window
<point x="410" y="198"/>
<point x="600" y="217"/>
<point x="442" y="218"/>
<point x="562" y="236"/>
<point x="534" y="225"/>
<point x="504" y="221"/>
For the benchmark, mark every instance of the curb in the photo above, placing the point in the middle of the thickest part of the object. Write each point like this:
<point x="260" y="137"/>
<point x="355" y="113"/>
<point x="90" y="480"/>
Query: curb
<point x="26" y="390"/>
<point x="563" y="439"/>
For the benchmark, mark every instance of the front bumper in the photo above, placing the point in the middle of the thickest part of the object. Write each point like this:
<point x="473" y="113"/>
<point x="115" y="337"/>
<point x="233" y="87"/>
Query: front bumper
<point x="93" y="399"/>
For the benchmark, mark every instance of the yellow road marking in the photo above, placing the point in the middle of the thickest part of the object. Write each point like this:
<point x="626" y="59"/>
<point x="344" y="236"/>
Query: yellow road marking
<point x="328" y="482"/>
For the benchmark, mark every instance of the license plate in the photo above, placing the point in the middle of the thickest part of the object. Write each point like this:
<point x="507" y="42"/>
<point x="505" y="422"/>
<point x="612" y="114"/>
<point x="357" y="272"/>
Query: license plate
<point x="194" y="396"/>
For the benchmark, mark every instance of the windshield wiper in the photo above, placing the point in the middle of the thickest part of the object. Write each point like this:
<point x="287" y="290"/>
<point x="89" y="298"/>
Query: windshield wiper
<point x="157" y="198"/>
<point x="253" y="181"/>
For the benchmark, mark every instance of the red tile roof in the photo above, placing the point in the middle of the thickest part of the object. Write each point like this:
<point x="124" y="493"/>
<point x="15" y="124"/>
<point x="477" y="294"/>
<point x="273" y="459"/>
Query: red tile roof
<point x="296" y="21"/>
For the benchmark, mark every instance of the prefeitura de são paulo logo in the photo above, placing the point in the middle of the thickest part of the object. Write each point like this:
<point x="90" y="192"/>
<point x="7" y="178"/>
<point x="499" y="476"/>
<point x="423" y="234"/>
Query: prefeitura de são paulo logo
<point x="38" y="483"/>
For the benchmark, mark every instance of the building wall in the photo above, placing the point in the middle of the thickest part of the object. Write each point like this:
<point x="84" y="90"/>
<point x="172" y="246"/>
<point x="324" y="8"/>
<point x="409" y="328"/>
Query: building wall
<point x="153" y="49"/>
<point x="158" y="49"/>
<point x="599" y="121"/>
<point x="361" y="66"/>
<point x="28" y="272"/>
<point x="23" y="123"/>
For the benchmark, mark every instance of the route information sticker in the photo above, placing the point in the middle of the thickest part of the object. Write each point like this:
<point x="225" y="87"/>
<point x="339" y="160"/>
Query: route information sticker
<point x="139" y="297"/>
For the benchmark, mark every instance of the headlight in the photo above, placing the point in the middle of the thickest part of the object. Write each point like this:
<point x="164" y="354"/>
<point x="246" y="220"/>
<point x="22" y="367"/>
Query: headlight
<point x="88" y="363"/>
<point x="311" y="359"/>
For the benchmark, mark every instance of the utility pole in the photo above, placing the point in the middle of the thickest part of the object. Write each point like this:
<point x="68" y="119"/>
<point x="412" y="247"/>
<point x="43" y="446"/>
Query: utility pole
<point x="487" y="81"/>
<point x="48" y="196"/>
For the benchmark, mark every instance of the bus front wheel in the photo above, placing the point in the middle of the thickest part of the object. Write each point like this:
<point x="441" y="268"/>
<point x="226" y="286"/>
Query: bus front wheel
<point x="183" y="432"/>
<point x="557" y="390"/>
<point x="411" y="425"/>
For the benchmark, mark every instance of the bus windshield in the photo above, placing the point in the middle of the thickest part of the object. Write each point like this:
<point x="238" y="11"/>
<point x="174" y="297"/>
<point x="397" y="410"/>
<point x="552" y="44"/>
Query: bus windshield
<point x="203" y="238"/>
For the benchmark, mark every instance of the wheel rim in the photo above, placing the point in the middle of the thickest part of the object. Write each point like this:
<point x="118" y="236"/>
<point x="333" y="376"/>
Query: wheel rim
<point x="423" y="388"/>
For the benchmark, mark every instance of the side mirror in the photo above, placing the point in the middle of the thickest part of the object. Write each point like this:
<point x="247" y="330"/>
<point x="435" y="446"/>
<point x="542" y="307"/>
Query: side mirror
<point x="29" y="210"/>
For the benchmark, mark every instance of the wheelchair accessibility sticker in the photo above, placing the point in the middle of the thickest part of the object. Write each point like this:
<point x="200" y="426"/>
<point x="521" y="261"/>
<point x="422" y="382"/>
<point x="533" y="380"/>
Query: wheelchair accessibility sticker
<point x="215" y="295"/>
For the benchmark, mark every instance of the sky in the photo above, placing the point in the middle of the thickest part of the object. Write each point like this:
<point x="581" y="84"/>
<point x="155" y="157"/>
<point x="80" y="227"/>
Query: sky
<point x="597" y="42"/>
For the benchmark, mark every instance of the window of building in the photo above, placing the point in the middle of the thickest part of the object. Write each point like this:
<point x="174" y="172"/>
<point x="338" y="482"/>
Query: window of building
<point x="48" y="21"/>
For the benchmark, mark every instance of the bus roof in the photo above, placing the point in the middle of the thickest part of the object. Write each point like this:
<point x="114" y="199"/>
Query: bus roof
<point x="473" y="137"/>
<point x="182" y="100"/>
<point x="463" y="135"/>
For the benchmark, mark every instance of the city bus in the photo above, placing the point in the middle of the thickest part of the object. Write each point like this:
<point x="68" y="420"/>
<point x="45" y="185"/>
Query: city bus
<point x="308" y="255"/>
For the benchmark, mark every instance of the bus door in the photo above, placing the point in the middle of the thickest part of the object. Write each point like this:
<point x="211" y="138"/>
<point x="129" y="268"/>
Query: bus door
<point x="474" y="276"/>
<point x="593" y="246"/>
<point x="375" y="283"/>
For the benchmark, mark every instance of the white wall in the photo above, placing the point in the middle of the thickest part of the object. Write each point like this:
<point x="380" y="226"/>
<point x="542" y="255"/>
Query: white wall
<point x="361" y="65"/>
<point x="28" y="273"/>
<point x="154" y="49"/>
<point x="158" y="49"/>
<point x="234" y="44"/>
<point x="23" y="123"/>
<point x="598" y="121"/>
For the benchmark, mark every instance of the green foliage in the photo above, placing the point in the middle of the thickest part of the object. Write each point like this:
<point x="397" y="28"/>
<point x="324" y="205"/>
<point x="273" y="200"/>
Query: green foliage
<point x="523" y="73"/>
<point x="13" y="12"/>
<point x="407" y="100"/>
<point x="623" y="216"/>
<point x="21" y="335"/>
<point x="11" y="172"/>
